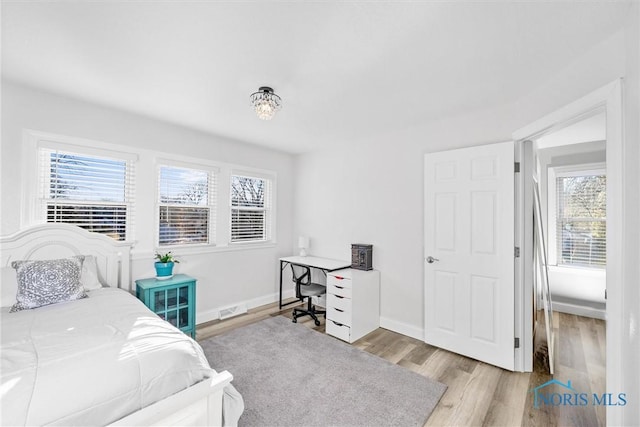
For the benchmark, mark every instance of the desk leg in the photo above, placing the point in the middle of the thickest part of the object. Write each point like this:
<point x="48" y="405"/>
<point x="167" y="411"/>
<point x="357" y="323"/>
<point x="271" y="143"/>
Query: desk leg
<point x="280" y="298"/>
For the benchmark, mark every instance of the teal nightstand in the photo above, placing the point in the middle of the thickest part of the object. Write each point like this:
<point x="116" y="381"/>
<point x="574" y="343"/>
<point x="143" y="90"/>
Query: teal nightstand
<point x="174" y="300"/>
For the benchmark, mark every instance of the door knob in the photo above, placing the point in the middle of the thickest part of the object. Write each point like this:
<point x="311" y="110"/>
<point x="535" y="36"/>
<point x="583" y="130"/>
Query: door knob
<point x="431" y="259"/>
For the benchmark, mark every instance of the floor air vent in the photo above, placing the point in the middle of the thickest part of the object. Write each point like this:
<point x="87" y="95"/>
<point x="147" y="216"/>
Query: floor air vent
<point x="235" y="310"/>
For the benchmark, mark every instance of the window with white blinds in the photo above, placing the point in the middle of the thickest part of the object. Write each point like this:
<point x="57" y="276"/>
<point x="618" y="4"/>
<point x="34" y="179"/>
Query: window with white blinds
<point x="581" y="223"/>
<point x="94" y="192"/>
<point x="250" y="208"/>
<point x="187" y="201"/>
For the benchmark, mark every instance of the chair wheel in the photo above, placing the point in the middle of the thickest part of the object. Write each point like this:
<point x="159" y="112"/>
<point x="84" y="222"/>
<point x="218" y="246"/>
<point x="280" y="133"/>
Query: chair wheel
<point x="317" y="323"/>
<point x="294" y="320"/>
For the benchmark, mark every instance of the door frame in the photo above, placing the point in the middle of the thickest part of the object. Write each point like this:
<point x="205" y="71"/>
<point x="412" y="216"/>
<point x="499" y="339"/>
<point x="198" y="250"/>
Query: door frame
<point x="524" y="301"/>
<point x="609" y="98"/>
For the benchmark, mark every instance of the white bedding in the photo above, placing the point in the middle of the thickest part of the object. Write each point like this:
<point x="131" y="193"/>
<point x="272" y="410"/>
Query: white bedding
<point x="93" y="361"/>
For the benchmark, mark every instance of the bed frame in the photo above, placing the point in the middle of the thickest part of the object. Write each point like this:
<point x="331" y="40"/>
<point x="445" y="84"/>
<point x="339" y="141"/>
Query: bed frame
<point x="200" y="404"/>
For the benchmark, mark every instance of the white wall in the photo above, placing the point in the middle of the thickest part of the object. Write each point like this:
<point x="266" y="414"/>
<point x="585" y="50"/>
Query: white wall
<point x="356" y="197"/>
<point x="224" y="277"/>
<point x="578" y="291"/>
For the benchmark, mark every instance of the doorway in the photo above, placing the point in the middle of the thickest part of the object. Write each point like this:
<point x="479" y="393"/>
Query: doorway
<point x="570" y="167"/>
<point x="606" y="100"/>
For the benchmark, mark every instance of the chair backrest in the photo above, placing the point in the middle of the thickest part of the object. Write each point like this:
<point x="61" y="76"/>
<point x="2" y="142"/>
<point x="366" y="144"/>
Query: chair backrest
<point x="301" y="274"/>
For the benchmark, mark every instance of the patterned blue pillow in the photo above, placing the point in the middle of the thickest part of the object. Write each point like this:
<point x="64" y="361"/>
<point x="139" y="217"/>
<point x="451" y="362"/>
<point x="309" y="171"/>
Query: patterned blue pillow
<point x="48" y="282"/>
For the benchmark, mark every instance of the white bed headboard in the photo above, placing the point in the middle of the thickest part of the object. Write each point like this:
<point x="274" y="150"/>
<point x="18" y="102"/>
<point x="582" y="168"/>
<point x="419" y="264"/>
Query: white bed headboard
<point x="53" y="241"/>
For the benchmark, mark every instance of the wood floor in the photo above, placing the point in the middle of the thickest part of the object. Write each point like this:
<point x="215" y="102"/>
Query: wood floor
<point x="479" y="394"/>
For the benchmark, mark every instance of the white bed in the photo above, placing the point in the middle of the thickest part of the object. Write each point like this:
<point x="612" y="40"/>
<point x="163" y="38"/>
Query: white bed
<point x="104" y="359"/>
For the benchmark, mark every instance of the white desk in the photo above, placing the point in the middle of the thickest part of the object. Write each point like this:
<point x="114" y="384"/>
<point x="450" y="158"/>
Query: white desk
<point x="324" y="264"/>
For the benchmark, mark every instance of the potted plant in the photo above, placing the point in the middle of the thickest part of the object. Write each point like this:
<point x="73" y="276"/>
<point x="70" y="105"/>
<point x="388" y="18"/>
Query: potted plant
<point x="164" y="265"/>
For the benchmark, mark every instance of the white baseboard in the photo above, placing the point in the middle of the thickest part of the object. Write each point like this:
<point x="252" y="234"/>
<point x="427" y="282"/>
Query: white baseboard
<point x="386" y="323"/>
<point x="214" y="314"/>
<point x="579" y="310"/>
<point x="402" y="328"/>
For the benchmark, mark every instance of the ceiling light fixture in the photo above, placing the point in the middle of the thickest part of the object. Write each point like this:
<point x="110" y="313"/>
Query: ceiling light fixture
<point x="265" y="102"/>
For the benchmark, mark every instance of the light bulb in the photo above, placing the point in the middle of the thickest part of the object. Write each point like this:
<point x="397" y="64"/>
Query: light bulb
<point x="264" y="110"/>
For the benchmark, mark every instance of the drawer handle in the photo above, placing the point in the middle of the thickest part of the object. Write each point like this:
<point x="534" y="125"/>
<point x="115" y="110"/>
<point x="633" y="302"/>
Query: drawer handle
<point x="339" y="277"/>
<point x="339" y="287"/>
<point x="338" y="296"/>
<point x="337" y="309"/>
<point x="336" y="323"/>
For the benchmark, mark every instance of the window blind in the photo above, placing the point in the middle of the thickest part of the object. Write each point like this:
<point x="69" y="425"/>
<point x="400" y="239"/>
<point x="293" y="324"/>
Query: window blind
<point x="92" y="192"/>
<point x="186" y="205"/>
<point x="250" y="209"/>
<point x="581" y="220"/>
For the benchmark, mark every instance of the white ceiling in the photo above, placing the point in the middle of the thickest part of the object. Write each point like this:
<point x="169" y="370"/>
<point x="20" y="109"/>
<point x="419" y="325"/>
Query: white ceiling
<point x="345" y="71"/>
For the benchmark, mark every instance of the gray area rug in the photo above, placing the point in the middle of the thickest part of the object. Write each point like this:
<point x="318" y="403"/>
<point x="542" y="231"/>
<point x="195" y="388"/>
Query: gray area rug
<point x="291" y="375"/>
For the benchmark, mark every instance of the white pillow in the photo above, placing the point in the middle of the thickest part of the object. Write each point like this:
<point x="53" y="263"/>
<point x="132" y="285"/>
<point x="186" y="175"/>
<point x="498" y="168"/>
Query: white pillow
<point x="90" y="278"/>
<point x="8" y="287"/>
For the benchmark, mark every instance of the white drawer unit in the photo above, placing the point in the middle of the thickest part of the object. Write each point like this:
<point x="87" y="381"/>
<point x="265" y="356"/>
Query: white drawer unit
<point x="353" y="303"/>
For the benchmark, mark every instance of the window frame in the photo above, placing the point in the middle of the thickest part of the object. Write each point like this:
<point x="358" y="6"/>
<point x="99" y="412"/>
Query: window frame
<point x="212" y="205"/>
<point x="553" y="173"/>
<point x="145" y="235"/>
<point x="34" y="194"/>
<point x="269" y="209"/>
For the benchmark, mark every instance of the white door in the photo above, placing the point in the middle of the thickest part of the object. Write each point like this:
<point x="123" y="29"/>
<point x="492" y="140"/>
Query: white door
<point x="469" y="252"/>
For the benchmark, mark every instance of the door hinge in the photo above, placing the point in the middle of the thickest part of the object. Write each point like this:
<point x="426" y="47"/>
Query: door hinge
<point x="516" y="166"/>
<point x="516" y="343"/>
<point x="516" y="252"/>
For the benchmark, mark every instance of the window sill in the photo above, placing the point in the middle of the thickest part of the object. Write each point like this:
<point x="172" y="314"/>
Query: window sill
<point x="180" y="251"/>
<point x="586" y="271"/>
